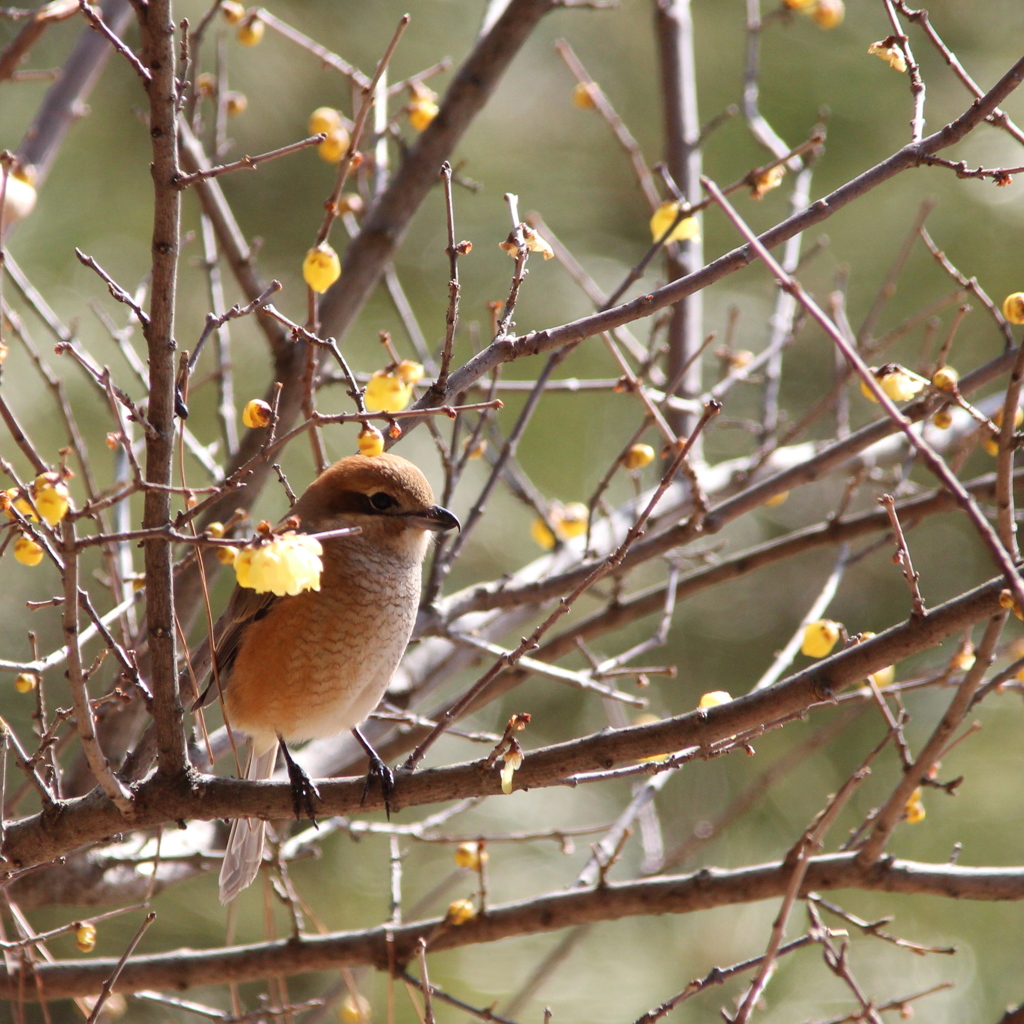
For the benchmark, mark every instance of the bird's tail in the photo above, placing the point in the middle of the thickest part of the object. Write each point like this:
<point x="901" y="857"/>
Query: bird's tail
<point x="244" y="852"/>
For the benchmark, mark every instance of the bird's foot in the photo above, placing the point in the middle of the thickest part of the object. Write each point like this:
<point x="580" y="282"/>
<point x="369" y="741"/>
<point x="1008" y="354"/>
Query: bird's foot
<point x="378" y="772"/>
<point x="303" y="790"/>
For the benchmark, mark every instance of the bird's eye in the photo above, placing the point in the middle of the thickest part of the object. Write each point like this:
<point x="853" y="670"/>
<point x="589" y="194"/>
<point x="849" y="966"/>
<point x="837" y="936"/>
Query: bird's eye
<point x="382" y="501"/>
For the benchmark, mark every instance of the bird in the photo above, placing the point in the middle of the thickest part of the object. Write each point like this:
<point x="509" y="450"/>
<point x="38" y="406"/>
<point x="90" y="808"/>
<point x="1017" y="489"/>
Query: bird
<point x="315" y="664"/>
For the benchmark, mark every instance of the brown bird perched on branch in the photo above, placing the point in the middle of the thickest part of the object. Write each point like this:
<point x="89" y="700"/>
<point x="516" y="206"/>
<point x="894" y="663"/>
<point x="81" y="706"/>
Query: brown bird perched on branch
<point x="316" y="663"/>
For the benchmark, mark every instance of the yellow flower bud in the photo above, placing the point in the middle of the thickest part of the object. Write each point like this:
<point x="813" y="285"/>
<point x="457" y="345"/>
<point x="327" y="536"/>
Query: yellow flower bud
<point x="335" y="146"/>
<point x="85" y="936"/>
<point x="776" y="499"/>
<point x="892" y="54"/>
<point x="638" y="455"/>
<point x="964" y="659"/>
<point x="796" y="5"/>
<point x="206" y="84"/>
<point x="386" y="392"/>
<point x="665" y="216"/>
<point x="257" y="413"/>
<point x="19" y="195"/>
<point x="829" y="13"/>
<point x="945" y="378"/>
<point x="235" y="103"/>
<point x="354" y="1009"/>
<point x="421" y="112"/>
<point x="820" y="637"/>
<point x="913" y="812"/>
<point x="350" y="202"/>
<point x="226" y="554"/>
<point x="27" y="551"/>
<point x="26" y="682"/>
<point x="714" y="698"/>
<point x="250" y="32"/>
<point x="1009" y="602"/>
<point x="409" y="372"/>
<point x="1013" y="307"/>
<point x="470" y="855"/>
<point x="478" y="449"/>
<point x="943" y="418"/>
<point x="233" y="12"/>
<point x="324" y="119"/>
<point x="460" y="911"/>
<point x="321" y="267"/>
<point x="215" y="531"/>
<point x="884" y="676"/>
<point x="582" y="96"/>
<point x="370" y="441"/>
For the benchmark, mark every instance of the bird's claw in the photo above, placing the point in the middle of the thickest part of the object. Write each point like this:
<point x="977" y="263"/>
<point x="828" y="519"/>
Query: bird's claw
<point x="379" y="772"/>
<point x="304" y="792"/>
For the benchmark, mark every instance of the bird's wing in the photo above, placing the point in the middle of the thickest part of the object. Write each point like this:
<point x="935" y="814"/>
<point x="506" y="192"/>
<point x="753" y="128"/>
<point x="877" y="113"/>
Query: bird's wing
<point x="244" y="608"/>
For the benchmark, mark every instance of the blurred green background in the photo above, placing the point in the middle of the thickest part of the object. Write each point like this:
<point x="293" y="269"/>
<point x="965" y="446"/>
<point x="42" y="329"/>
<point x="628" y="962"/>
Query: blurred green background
<point x="562" y="162"/>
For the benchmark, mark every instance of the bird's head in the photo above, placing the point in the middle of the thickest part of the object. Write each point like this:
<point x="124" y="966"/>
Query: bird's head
<point x="386" y="496"/>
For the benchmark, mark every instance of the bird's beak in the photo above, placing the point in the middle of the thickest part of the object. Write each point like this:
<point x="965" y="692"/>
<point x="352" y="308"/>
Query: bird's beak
<point x="436" y="519"/>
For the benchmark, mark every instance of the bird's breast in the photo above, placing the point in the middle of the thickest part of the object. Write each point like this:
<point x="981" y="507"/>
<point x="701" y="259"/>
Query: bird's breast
<point x="318" y="663"/>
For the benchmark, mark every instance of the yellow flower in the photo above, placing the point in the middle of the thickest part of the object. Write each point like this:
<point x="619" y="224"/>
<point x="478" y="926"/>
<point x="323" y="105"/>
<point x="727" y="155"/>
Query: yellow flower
<point x="460" y="911"/>
<point x="776" y="499"/>
<point x="421" y="113"/>
<point x="1013" y="307"/>
<point x="386" y="392"/>
<point x="335" y="146"/>
<point x="512" y="760"/>
<point x="829" y="13"/>
<point x="638" y="455"/>
<point x="991" y="444"/>
<point x="767" y="180"/>
<point x="569" y="521"/>
<point x="287" y="564"/>
<point x="257" y="413"/>
<point x="714" y="698"/>
<point x="13" y="499"/>
<point x="85" y="936"/>
<point x="913" y="812"/>
<point x="664" y="217"/>
<point x="899" y="383"/>
<point x="796" y="5"/>
<point x="321" y="267"/>
<point x="964" y="658"/>
<point x="470" y="855"/>
<point x="324" y="119"/>
<point x="533" y="240"/>
<point x="250" y="33"/>
<point x="820" y="637"/>
<point x="892" y="54"/>
<point x="27" y="551"/>
<point x="370" y="441"/>
<point x="50" y="494"/>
